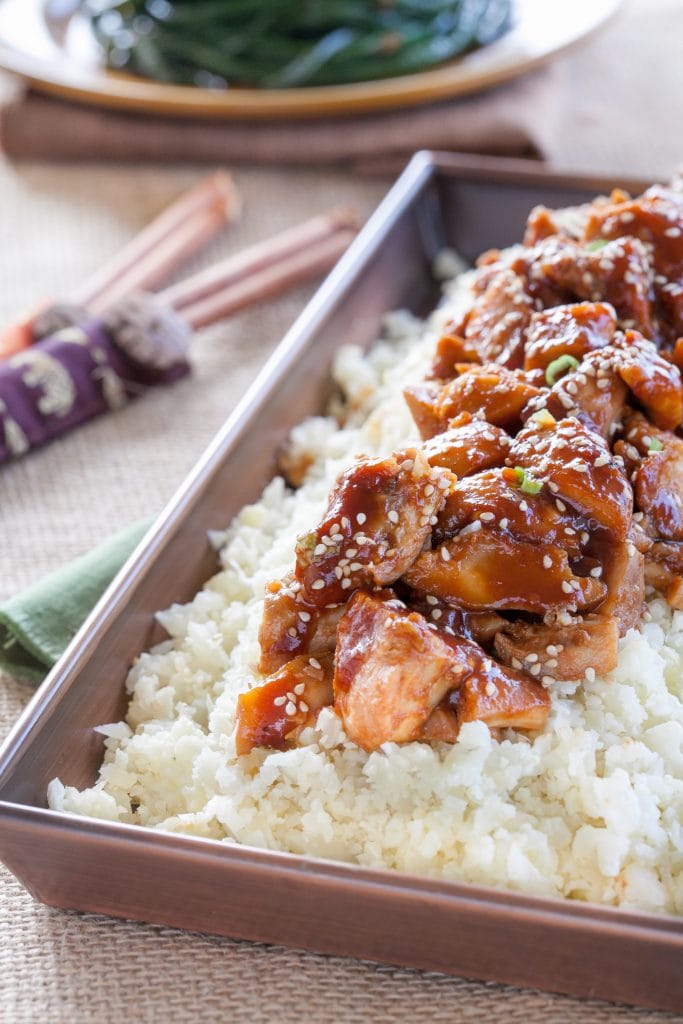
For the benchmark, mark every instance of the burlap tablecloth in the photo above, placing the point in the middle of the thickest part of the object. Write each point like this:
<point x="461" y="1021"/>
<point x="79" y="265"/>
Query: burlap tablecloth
<point x="55" y="224"/>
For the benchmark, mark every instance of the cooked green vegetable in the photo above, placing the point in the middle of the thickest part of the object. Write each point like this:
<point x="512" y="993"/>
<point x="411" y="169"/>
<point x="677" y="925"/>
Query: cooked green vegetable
<point x="527" y="483"/>
<point x="559" y="367"/>
<point x="282" y="43"/>
<point x="655" y="445"/>
<point x="597" y="243"/>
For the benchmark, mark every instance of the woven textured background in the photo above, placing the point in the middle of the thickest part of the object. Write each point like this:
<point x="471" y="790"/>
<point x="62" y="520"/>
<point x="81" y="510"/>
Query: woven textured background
<point x="57" y="223"/>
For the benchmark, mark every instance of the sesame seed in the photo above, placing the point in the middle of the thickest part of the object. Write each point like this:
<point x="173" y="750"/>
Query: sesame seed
<point x="356" y="566"/>
<point x="535" y="670"/>
<point x="407" y="464"/>
<point x="672" y="232"/>
<point x="602" y="460"/>
<point x="360" y="518"/>
<point x="490" y="690"/>
<point x="392" y="516"/>
<point x="585" y="537"/>
<point x="351" y="552"/>
<point x="531" y="658"/>
<point x="345" y="584"/>
<point x="445" y="554"/>
<point x="553" y="486"/>
<point x="338" y="571"/>
<point x="551" y="649"/>
<point x="560" y="505"/>
<point x="436" y="614"/>
<point x="314" y="663"/>
<point x="487" y="517"/>
<point x="590" y="674"/>
<point x="551" y="663"/>
<point x="596" y="573"/>
<point x="303" y="707"/>
<point x="516" y="663"/>
<point x="290" y="708"/>
<point x="279" y="701"/>
<point x="548" y="680"/>
<point x="292" y="631"/>
<point x="603" y="383"/>
<point x="523" y="506"/>
<point x="345" y="522"/>
<point x="319" y="550"/>
<point x="299" y="689"/>
<point x="431" y="599"/>
<point x="503" y="523"/>
<point x="429" y="490"/>
<point x="567" y="587"/>
<point x="305" y="616"/>
<point x="547" y="562"/>
<point x="318" y="585"/>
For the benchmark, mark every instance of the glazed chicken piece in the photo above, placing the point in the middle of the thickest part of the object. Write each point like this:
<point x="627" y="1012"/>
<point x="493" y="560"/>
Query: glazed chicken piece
<point x="274" y="713"/>
<point x="655" y="461"/>
<point x="623" y="570"/>
<point x="498" y="319"/>
<point x="468" y="446"/>
<point x="499" y="696"/>
<point x="492" y="392"/>
<point x="495" y="498"/>
<point x="377" y="521"/>
<point x="560" y="651"/>
<point x="654" y="382"/>
<point x="492" y="570"/>
<point x="392" y="670"/>
<point x="291" y="625"/>
<point x="579" y="470"/>
<point x="572" y="331"/>
<point x="618" y="273"/>
<point x="451" y="349"/>
<point x="655" y="218"/>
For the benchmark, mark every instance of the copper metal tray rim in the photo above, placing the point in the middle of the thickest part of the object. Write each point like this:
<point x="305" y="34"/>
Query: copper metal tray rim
<point x="601" y="919"/>
<point x="333" y="879"/>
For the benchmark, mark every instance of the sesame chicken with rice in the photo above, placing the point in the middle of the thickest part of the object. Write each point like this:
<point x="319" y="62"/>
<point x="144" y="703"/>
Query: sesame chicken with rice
<point x="547" y="485"/>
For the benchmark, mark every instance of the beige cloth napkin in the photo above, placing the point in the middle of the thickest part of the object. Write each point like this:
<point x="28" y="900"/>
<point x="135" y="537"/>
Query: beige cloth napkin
<point x="508" y="120"/>
<point x="612" y="104"/>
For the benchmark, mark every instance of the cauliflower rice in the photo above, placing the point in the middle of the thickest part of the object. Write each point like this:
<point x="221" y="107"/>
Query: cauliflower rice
<point x="591" y="808"/>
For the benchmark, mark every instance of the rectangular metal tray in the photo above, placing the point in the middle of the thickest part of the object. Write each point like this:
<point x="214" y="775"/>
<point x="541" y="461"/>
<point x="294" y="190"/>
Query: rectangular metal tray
<point x="324" y="906"/>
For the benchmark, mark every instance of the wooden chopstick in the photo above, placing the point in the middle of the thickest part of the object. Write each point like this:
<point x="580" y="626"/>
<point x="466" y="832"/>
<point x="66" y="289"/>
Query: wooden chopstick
<point x="276" y="251"/>
<point x="169" y="240"/>
<point x="236" y="292"/>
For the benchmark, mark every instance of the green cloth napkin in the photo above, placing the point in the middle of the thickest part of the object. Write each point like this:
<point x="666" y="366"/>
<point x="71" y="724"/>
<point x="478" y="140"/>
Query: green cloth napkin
<point x="37" y="624"/>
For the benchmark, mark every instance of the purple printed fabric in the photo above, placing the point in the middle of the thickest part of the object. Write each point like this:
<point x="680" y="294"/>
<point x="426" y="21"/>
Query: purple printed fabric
<point x="66" y="379"/>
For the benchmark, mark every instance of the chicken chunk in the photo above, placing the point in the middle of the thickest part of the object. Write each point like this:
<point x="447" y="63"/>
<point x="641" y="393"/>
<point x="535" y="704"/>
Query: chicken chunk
<point x="580" y="471"/>
<point x="623" y="570"/>
<point x="497" y="323"/>
<point x="492" y="392"/>
<point x="291" y="625"/>
<point x="618" y="273"/>
<point x="377" y="521"/>
<point x="494" y="498"/>
<point x="488" y="569"/>
<point x="468" y="446"/>
<point x="560" y="651"/>
<point x="274" y="713"/>
<point x="391" y="670"/>
<point x="654" y="382"/>
<point x="572" y="330"/>
<point x="452" y="349"/>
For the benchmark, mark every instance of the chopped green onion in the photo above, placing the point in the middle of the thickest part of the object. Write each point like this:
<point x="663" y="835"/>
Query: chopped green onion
<point x="655" y="445"/>
<point x="559" y="367"/>
<point x="527" y="483"/>
<point x="597" y="243"/>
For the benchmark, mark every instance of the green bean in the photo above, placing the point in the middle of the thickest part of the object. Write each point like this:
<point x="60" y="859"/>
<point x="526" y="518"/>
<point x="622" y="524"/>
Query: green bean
<point x="284" y="43"/>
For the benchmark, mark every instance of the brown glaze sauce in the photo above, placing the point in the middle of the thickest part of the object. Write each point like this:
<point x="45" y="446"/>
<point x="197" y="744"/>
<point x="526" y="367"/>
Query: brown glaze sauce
<point x="460" y="579"/>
